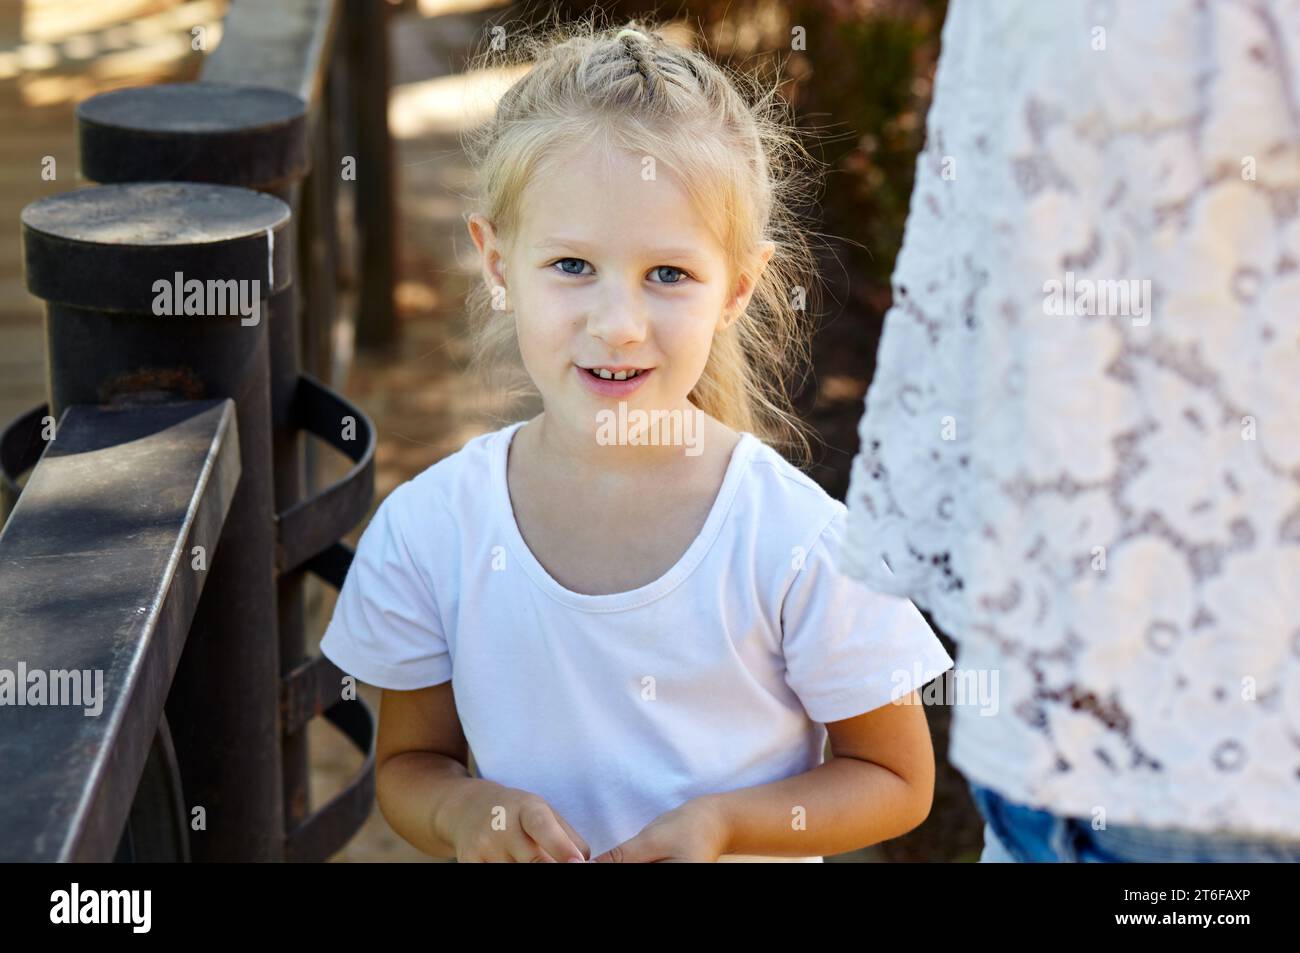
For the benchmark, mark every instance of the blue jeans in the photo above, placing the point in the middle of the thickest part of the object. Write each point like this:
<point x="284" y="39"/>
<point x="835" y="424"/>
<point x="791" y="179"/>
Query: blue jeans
<point x="1015" y="833"/>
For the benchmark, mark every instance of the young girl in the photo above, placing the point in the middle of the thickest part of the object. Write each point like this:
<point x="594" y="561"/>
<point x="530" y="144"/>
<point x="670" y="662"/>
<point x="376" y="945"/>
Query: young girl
<point x="638" y="627"/>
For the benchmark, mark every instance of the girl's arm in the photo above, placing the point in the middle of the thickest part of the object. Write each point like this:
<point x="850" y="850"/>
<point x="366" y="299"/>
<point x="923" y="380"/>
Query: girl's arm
<point x="421" y="765"/>
<point x="878" y="784"/>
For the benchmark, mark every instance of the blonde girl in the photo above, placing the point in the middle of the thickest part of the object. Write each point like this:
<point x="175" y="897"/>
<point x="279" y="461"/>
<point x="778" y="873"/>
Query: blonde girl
<point x="628" y="607"/>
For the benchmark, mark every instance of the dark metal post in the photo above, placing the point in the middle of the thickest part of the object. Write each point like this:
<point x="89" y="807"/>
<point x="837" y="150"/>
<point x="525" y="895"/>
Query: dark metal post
<point x="256" y="138"/>
<point x="112" y="263"/>
<point x="366" y="33"/>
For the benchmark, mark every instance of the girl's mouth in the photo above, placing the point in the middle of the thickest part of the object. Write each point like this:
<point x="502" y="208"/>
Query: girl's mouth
<point x="596" y="381"/>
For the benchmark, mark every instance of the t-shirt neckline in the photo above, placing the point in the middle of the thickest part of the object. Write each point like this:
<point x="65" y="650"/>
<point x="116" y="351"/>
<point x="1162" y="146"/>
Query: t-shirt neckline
<point x="632" y="598"/>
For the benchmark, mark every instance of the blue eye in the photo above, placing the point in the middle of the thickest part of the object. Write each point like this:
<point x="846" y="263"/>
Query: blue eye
<point x="659" y="268"/>
<point x="565" y="270"/>
<point x="670" y="268"/>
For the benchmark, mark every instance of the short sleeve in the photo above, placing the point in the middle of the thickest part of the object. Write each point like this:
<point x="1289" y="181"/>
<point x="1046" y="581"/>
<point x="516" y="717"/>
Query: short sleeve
<point x="848" y="648"/>
<point x="385" y="629"/>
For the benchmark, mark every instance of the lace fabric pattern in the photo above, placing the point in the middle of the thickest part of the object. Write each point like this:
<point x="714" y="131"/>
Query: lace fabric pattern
<point x="1098" y="496"/>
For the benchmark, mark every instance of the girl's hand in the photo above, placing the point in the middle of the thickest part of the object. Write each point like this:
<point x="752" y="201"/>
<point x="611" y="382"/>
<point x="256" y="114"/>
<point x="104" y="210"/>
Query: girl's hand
<point x="498" y="824"/>
<point x="691" y="833"/>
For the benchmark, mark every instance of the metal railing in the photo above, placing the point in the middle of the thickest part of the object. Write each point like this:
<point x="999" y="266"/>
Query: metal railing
<point x="161" y="542"/>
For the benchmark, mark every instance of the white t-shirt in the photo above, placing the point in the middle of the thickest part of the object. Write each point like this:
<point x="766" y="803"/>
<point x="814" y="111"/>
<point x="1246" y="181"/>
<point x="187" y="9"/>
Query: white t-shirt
<point x="617" y="708"/>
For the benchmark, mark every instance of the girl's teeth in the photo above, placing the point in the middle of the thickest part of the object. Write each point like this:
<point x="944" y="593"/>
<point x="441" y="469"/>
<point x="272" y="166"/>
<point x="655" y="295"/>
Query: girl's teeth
<point x="614" y="375"/>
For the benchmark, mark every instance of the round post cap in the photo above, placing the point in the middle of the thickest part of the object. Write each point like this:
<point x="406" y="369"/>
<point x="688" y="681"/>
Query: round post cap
<point x="107" y="247"/>
<point x="222" y="133"/>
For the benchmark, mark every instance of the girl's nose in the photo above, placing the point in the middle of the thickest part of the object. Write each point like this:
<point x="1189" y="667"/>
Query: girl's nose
<point x="619" y="319"/>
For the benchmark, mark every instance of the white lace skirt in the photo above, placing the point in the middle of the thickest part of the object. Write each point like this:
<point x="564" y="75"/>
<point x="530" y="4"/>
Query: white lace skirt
<point x="1081" y="447"/>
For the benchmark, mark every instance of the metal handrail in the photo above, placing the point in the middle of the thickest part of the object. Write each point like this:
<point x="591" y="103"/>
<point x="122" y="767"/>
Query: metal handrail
<point x="104" y="594"/>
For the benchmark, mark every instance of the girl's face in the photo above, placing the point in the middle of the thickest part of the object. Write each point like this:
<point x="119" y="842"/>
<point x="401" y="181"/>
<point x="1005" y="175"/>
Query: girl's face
<point x="612" y="270"/>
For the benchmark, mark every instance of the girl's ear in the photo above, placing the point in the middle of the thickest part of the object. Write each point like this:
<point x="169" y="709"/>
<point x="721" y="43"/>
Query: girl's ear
<point x="745" y="286"/>
<point x="485" y="239"/>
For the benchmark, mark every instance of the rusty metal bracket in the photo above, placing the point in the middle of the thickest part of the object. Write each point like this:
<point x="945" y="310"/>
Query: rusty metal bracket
<point x="312" y="689"/>
<point x="326" y="831"/>
<point x="332" y="565"/>
<point x="310" y="528"/>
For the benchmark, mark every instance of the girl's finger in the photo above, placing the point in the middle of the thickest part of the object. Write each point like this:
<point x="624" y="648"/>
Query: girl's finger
<point x="544" y="827"/>
<point x="575" y="837"/>
<point x="525" y="850"/>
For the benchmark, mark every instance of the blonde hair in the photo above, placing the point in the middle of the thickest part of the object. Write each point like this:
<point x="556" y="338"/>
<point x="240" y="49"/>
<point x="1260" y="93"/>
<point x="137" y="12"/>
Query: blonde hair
<point x="725" y="136"/>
